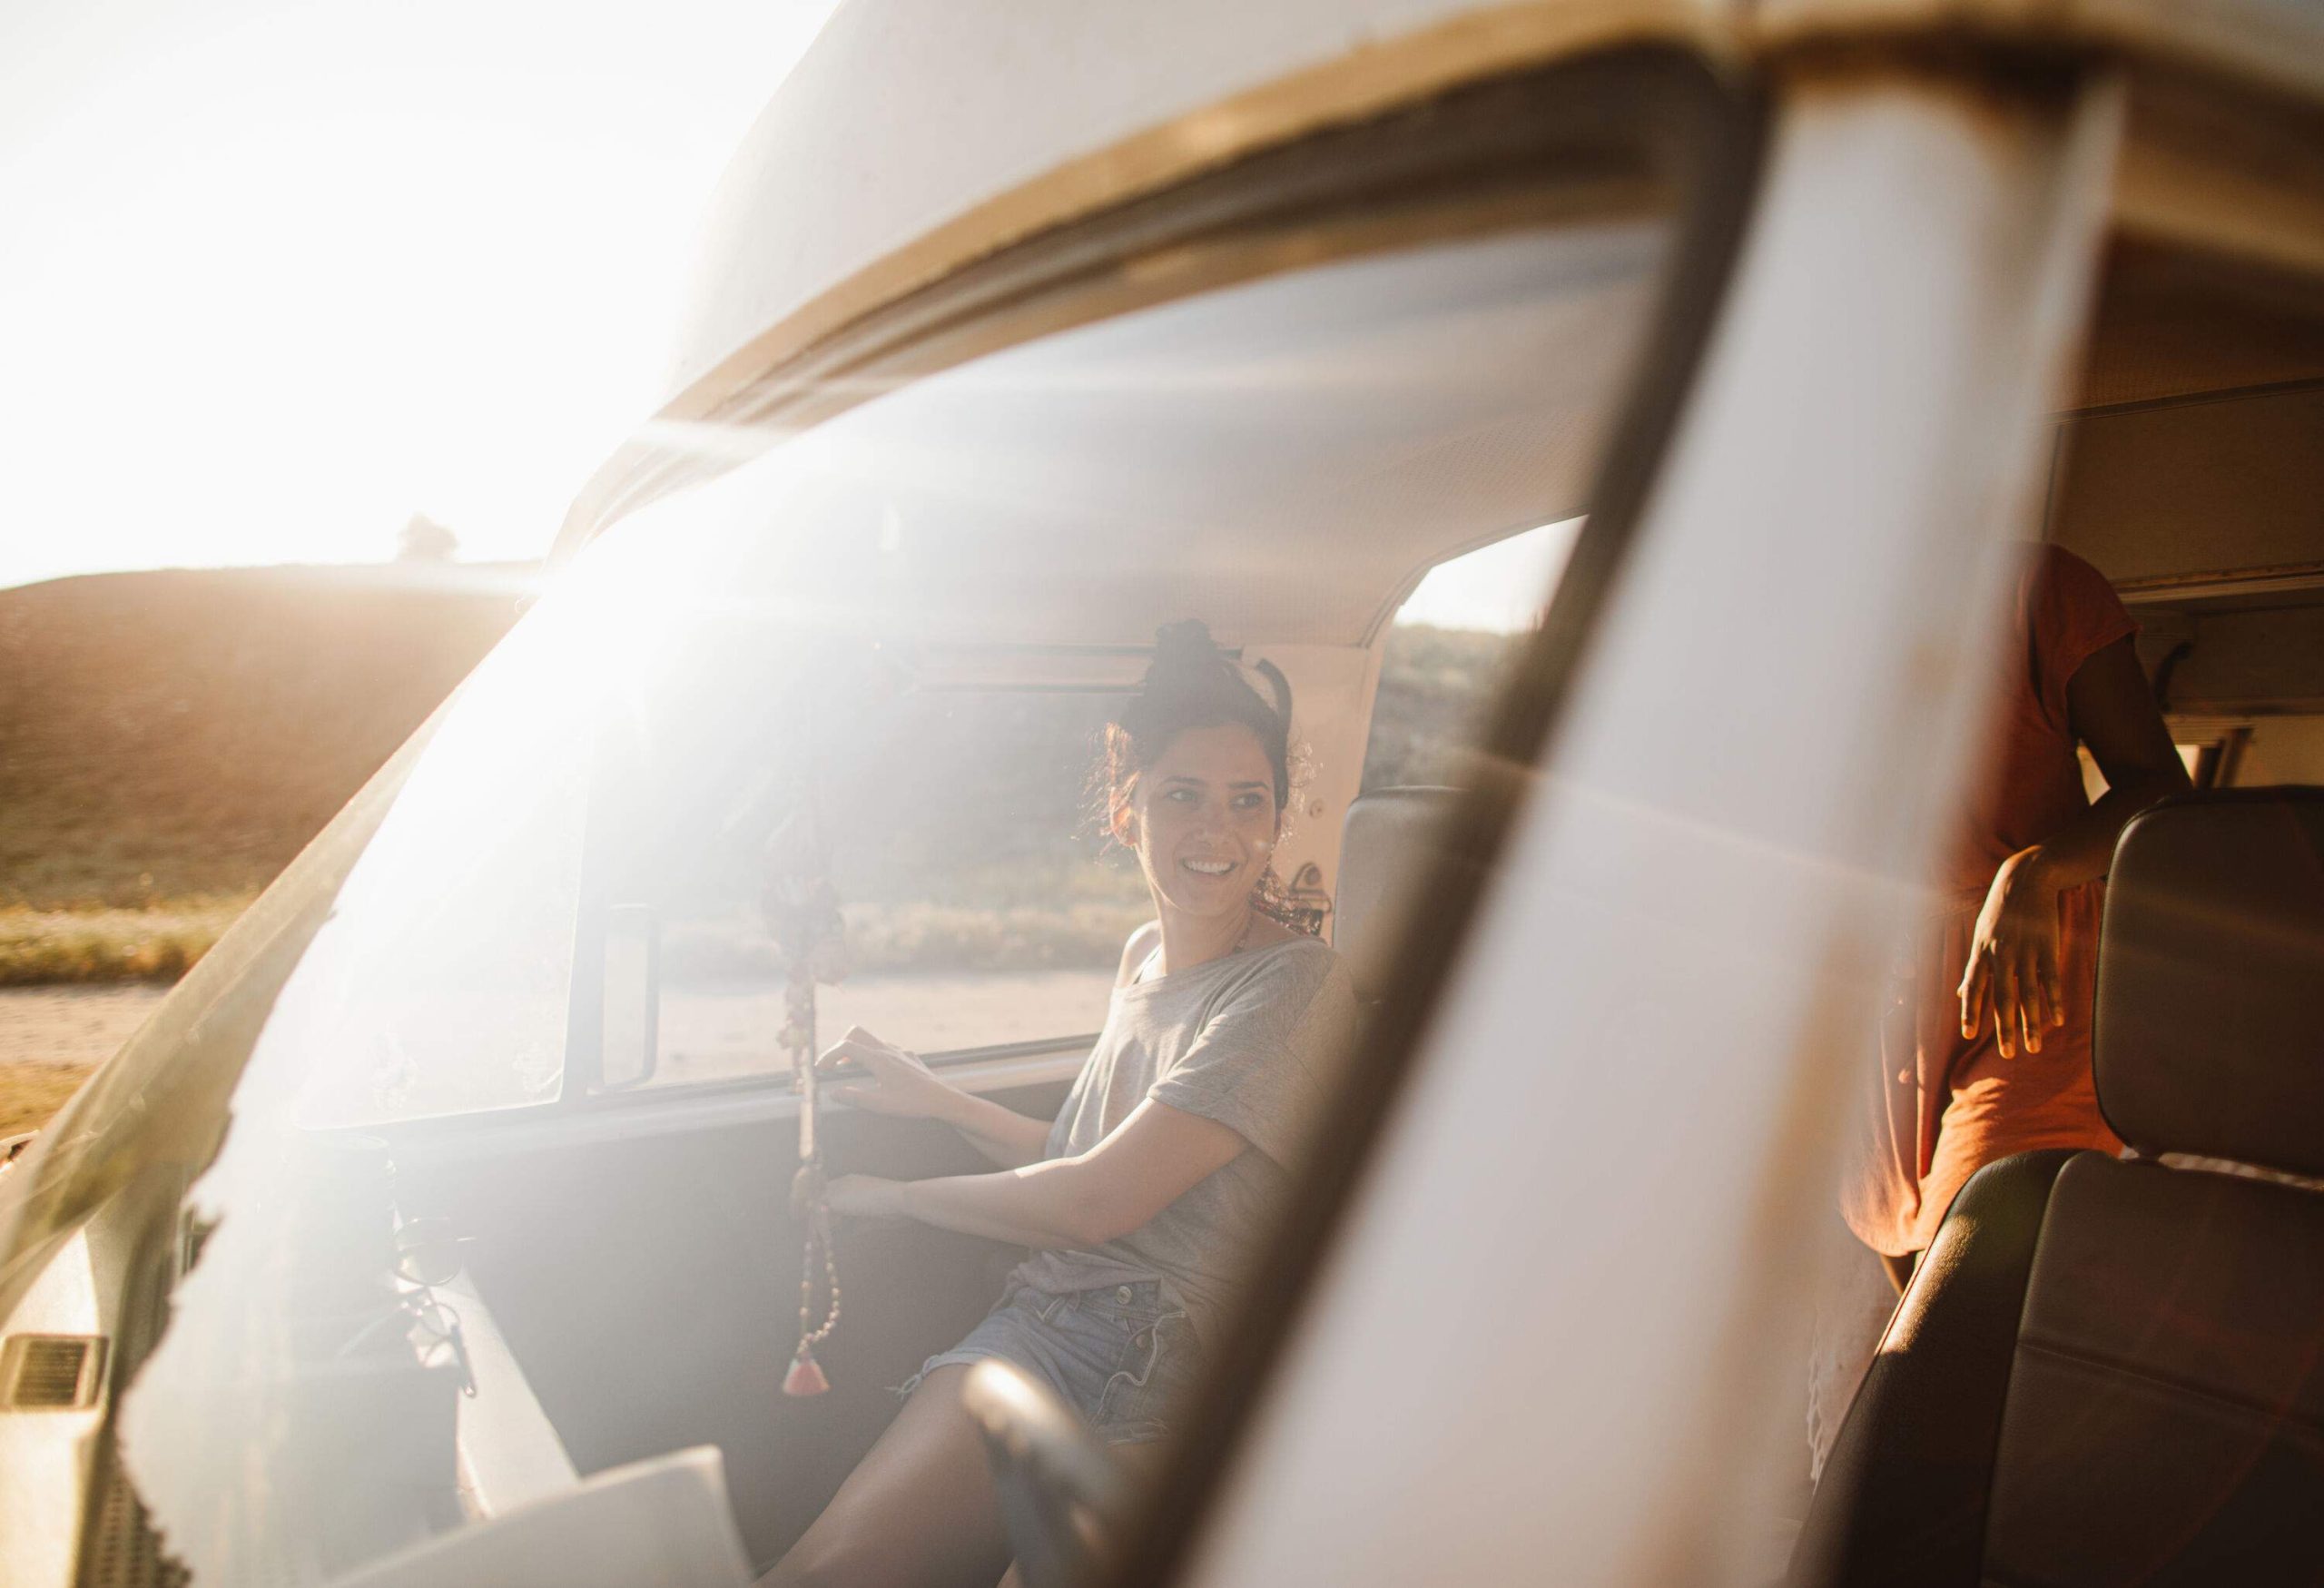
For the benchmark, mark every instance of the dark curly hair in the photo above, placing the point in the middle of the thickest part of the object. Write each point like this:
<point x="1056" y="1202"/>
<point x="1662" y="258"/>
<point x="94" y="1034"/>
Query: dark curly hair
<point x="1192" y="684"/>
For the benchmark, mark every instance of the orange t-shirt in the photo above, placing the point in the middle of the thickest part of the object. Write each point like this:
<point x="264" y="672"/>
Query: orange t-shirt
<point x="1943" y="1106"/>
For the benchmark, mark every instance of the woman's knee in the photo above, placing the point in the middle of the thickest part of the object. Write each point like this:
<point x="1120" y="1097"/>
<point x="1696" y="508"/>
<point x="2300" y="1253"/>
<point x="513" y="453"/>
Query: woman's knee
<point x="918" y="1509"/>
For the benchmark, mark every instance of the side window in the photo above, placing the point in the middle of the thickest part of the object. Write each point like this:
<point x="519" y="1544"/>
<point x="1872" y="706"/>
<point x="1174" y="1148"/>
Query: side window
<point x="981" y="905"/>
<point x="2268" y="750"/>
<point x="1449" y="651"/>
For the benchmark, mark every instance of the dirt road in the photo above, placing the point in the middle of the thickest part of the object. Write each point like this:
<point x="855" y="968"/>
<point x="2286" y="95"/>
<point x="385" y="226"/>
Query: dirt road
<point x="51" y="1037"/>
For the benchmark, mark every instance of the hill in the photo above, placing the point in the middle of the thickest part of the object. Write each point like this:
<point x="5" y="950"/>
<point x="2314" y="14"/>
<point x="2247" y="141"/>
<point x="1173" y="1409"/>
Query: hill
<point x="169" y="740"/>
<point x="183" y="734"/>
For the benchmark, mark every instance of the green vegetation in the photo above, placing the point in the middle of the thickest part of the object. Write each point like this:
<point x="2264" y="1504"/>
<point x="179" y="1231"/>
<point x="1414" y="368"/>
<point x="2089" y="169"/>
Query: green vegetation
<point x="1436" y="685"/>
<point x="157" y="944"/>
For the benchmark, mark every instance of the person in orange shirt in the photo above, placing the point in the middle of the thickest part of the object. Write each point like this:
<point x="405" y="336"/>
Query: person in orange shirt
<point x="1984" y="1046"/>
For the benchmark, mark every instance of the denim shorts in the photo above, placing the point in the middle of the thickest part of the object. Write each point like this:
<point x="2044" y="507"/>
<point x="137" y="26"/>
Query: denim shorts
<point x="1121" y="1355"/>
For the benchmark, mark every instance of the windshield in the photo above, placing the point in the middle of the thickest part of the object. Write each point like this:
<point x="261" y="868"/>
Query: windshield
<point x="510" y="1153"/>
<point x="913" y="622"/>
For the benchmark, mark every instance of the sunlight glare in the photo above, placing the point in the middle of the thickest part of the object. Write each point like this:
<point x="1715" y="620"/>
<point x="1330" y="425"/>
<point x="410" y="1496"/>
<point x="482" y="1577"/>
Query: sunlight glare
<point x="281" y="277"/>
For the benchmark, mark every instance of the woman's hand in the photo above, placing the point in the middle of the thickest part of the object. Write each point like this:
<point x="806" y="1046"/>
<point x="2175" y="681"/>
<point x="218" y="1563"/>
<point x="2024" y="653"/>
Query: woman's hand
<point x="865" y="1197"/>
<point x="1144" y="1164"/>
<point x="894" y="1081"/>
<point x="2013" y="975"/>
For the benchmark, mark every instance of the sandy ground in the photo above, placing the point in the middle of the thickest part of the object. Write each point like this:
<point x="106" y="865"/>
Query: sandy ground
<point x="709" y="1032"/>
<point x="50" y="1038"/>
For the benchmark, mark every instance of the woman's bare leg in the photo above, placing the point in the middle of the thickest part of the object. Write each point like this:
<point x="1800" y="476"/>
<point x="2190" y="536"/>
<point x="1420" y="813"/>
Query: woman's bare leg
<point x="918" y="1512"/>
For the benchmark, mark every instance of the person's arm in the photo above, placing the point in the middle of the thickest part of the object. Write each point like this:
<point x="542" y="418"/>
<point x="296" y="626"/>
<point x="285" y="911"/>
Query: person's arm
<point x="1145" y="1163"/>
<point x="1007" y="1138"/>
<point x="2013" y="974"/>
<point x="899" y="1083"/>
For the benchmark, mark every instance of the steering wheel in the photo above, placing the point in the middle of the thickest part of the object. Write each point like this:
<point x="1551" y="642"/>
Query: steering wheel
<point x="1062" y="1497"/>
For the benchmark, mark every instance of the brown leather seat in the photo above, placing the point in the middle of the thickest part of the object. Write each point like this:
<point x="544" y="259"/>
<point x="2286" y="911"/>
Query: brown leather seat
<point x="2112" y="1371"/>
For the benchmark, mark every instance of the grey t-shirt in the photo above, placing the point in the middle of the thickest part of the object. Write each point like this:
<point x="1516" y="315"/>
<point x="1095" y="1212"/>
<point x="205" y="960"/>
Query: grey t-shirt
<point x="1250" y="1040"/>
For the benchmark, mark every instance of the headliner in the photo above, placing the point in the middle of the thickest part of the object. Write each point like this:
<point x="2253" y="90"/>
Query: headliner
<point x="1283" y="457"/>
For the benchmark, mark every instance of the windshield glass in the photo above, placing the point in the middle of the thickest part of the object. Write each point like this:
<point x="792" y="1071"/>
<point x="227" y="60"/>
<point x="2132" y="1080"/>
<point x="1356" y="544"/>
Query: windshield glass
<point x="508" y="1166"/>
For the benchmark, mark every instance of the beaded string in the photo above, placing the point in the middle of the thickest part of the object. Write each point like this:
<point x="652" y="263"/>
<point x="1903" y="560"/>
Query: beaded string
<point x="803" y="908"/>
<point x="810" y="1209"/>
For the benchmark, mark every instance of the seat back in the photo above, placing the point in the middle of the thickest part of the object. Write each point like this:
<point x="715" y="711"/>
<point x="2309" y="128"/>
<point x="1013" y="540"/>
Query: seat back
<point x="1389" y="845"/>
<point x="2112" y="1371"/>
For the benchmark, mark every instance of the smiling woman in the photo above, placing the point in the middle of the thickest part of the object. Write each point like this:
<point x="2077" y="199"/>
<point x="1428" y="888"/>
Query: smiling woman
<point x="1146" y="1200"/>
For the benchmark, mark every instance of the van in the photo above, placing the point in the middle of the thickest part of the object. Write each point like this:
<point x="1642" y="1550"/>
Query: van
<point x="440" y="1227"/>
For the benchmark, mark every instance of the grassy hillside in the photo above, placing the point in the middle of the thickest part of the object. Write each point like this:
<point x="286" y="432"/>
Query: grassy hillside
<point x="169" y="740"/>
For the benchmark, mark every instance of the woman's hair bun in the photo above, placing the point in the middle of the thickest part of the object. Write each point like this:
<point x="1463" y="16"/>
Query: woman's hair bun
<point x="1190" y="674"/>
<point x="1188" y="662"/>
<point x="1193" y="684"/>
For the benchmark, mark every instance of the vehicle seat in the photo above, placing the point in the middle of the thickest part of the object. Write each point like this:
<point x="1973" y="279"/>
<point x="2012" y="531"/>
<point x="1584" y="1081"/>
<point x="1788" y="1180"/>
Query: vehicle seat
<point x="1388" y="846"/>
<point x="2112" y="1371"/>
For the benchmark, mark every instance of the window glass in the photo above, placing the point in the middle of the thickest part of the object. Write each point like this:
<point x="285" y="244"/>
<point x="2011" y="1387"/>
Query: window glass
<point x="979" y="906"/>
<point x="878" y="656"/>
<point x="1450" y="652"/>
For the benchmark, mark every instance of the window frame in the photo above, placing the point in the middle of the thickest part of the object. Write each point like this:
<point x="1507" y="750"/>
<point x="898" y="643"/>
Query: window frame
<point x="1578" y="138"/>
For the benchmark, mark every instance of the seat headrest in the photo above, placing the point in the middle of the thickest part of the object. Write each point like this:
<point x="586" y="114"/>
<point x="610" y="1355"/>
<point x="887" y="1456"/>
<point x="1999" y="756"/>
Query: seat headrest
<point x="2209" y="1027"/>
<point x="1389" y="844"/>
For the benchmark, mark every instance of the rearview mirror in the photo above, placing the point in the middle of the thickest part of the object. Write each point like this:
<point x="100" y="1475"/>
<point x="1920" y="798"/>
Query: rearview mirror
<point x="631" y="1015"/>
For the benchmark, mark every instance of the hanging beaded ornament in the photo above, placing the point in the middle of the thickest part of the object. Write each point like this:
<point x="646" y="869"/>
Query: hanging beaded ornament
<point x="802" y="913"/>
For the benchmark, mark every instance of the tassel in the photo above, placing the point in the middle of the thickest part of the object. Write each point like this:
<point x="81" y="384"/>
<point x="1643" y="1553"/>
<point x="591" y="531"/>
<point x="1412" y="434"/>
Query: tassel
<point x="806" y="1376"/>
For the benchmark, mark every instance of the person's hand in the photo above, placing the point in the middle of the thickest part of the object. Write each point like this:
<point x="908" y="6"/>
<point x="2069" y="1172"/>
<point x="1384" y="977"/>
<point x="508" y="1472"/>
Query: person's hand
<point x="865" y="1197"/>
<point x="2013" y="975"/>
<point x="893" y="1082"/>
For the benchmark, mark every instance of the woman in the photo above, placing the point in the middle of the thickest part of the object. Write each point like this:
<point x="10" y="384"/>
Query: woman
<point x="1984" y="1049"/>
<point x="1145" y="1199"/>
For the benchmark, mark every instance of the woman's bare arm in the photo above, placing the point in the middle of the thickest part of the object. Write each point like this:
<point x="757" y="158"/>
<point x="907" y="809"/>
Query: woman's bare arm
<point x="2013" y="974"/>
<point x="2113" y="712"/>
<point x="1145" y="1163"/>
<point x="887" y="1079"/>
<point x="1007" y="1138"/>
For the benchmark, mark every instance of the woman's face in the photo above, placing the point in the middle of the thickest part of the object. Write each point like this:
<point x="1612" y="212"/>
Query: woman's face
<point x="1204" y="820"/>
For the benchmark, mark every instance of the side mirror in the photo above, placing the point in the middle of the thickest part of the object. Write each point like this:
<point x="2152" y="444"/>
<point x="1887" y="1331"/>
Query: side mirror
<point x="630" y="1019"/>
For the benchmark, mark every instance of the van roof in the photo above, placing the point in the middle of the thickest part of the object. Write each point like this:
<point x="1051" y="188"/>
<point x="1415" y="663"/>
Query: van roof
<point x="917" y="137"/>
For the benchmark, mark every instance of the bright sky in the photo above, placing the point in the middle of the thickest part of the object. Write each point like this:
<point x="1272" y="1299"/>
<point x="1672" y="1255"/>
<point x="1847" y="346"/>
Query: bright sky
<point x="276" y="277"/>
<point x="1503" y="587"/>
